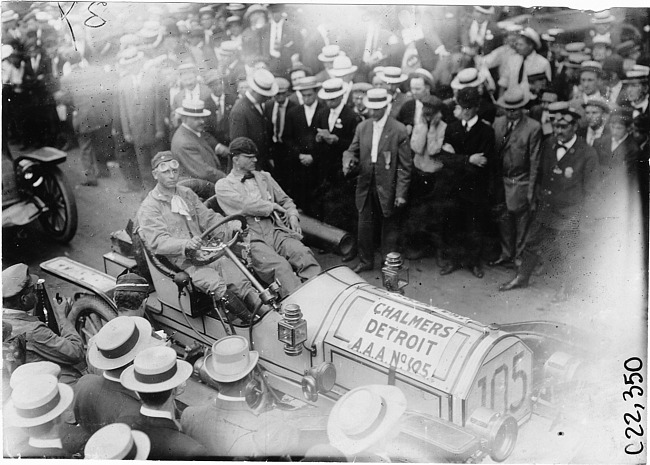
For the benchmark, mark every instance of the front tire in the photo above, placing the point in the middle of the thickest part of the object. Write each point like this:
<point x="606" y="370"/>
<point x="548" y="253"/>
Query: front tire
<point x="60" y="221"/>
<point x="89" y="314"/>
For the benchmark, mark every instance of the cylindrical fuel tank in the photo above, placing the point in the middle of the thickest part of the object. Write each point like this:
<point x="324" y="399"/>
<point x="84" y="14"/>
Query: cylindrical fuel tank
<point x="325" y="236"/>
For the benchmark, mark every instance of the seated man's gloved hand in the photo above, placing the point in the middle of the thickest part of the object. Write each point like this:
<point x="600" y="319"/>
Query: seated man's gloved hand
<point x="294" y="223"/>
<point x="194" y="244"/>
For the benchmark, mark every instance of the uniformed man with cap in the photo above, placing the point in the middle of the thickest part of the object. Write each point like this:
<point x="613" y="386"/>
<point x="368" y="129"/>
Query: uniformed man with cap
<point x="18" y="301"/>
<point x="171" y="220"/>
<point x="158" y="377"/>
<point x="567" y="181"/>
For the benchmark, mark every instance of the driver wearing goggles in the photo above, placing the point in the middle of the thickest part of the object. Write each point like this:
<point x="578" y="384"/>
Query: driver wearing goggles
<point x="171" y="220"/>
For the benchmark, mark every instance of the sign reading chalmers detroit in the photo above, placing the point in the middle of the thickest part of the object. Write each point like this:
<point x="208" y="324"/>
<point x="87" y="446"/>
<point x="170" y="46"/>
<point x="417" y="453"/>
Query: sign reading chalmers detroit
<point x="412" y="341"/>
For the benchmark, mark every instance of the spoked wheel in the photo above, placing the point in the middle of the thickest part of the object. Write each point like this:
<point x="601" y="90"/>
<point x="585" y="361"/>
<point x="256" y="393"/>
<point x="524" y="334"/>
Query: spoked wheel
<point x="88" y="315"/>
<point x="60" y="219"/>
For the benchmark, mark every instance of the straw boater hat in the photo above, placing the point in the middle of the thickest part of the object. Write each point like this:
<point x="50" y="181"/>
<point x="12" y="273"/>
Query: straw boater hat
<point x="361" y="87"/>
<point x="187" y="67"/>
<point x="574" y="60"/>
<point x="156" y="369"/>
<point x="117" y="442"/>
<point x="637" y="74"/>
<point x="532" y="35"/>
<point x="29" y="370"/>
<point x="376" y="98"/>
<point x="342" y="66"/>
<point x="626" y="48"/>
<point x="256" y="8"/>
<point x="194" y="108"/>
<point x="329" y="52"/>
<point x="9" y="15"/>
<point x="596" y="102"/>
<point x="230" y="360"/>
<point x="227" y="48"/>
<point x="364" y="416"/>
<point x="130" y="55"/>
<point x="603" y="17"/>
<point x="486" y="10"/>
<point x="234" y="19"/>
<point x="7" y="51"/>
<point x="36" y="401"/>
<point x="392" y="75"/>
<point x="468" y="77"/>
<point x="573" y="47"/>
<point x="332" y="88"/>
<point x="513" y="99"/>
<point x="423" y="74"/>
<point x="118" y="342"/>
<point x="283" y="85"/>
<point x="131" y="282"/>
<point x="236" y="7"/>
<point x="549" y="97"/>
<point x="263" y="82"/>
<point x="562" y="110"/>
<point x="602" y="39"/>
<point x="307" y="82"/>
<point x="591" y="65"/>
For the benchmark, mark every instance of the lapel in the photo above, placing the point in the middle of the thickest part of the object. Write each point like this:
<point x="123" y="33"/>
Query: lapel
<point x="385" y="138"/>
<point x="154" y="422"/>
<point x="568" y="158"/>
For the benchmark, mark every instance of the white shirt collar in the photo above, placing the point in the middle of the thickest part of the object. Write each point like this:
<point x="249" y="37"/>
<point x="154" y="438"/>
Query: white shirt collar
<point x="382" y="122"/>
<point x="469" y="124"/>
<point x="52" y="443"/>
<point x="149" y="412"/>
<point x="230" y="398"/>
<point x="616" y="143"/>
<point x="198" y="134"/>
<point x="569" y="144"/>
<point x="642" y="105"/>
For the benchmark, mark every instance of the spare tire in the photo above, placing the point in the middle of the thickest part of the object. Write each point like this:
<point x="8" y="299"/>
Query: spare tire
<point x="89" y="314"/>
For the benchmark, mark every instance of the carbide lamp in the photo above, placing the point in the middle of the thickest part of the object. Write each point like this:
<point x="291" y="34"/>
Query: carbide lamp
<point x="395" y="273"/>
<point x="292" y="330"/>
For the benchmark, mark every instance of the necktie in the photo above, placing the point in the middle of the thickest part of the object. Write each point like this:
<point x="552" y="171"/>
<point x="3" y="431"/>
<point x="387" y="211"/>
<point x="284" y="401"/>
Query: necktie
<point x="561" y="151"/>
<point x="466" y="126"/>
<point x="178" y="205"/>
<point x="248" y="175"/>
<point x="521" y="70"/>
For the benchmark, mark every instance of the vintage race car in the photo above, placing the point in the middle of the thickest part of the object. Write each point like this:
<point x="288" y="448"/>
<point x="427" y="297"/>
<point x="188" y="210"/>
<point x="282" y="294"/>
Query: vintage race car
<point x="471" y="388"/>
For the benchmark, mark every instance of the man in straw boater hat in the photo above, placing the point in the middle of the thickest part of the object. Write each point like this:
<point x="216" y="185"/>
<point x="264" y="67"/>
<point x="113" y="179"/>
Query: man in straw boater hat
<point x="158" y="377"/>
<point x="227" y="426"/>
<point x="18" y="301"/>
<point x="300" y="137"/>
<point x="472" y="77"/>
<point x="469" y="168"/>
<point x="172" y="219"/>
<point x="101" y="399"/>
<point x="567" y="182"/>
<point x="141" y="117"/>
<point x="334" y="132"/>
<point x="196" y="150"/>
<point x="596" y="113"/>
<point x="117" y="442"/>
<point x="381" y="156"/>
<point x="36" y="406"/>
<point x="518" y="138"/>
<point x="527" y="61"/>
<point x="393" y="78"/>
<point x="276" y="249"/>
<point x="589" y="89"/>
<point x="343" y="68"/>
<point x="365" y="420"/>
<point x="327" y="56"/>
<point x="247" y="116"/>
<point x="636" y="85"/>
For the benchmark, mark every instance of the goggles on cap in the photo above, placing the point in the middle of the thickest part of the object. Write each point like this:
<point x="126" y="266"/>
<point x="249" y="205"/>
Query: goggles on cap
<point x="167" y="165"/>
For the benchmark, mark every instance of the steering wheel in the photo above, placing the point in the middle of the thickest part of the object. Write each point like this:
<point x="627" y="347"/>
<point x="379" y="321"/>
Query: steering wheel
<point x="208" y="254"/>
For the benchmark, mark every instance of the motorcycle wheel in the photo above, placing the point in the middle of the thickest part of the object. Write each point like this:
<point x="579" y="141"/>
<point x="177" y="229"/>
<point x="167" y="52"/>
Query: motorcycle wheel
<point x="88" y="315"/>
<point x="60" y="222"/>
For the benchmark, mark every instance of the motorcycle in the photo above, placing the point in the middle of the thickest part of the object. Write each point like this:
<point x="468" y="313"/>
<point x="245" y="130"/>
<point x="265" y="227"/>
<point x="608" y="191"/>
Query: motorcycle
<point x="34" y="187"/>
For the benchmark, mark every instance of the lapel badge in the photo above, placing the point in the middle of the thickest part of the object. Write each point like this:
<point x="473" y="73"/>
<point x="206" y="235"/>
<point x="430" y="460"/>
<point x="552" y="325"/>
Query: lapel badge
<point x="568" y="173"/>
<point x="557" y="170"/>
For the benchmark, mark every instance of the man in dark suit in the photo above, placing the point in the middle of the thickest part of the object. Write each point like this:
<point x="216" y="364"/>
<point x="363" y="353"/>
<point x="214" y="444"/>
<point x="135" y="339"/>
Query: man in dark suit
<point x="567" y="183"/>
<point x="157" y="376"/>
<point x="142" y="114"/>
<point x="190" y="89"/>
<point x="195" y="149"/>
<point x="381" y="155"/>
<point x="518" y="138"/>
<point x="220" y="105"/>
<point x="247" y="116"/>
<point x="300" y="137"/>
<point x="596" y="113"/>
<point x="421" y="84"/>
<point x="275" y="111"/>
<point x="100" y="400"/>
<point x="335" y="131"/>
<point x="468" y="163"/>
<point x="280" y="42"/>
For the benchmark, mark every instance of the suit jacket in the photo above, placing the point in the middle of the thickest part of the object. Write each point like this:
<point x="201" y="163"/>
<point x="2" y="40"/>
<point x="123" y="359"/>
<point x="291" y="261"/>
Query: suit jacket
<point x="566" y="190"/>
<point x="407" y="111"/>
<point x="99" y="402"/>
<point x="40" y="89"/>
<point x="582" y="132"/>
<point x="330" y="157"/>
<point x="167" y="441"/>
<point x="620" y="167"/>
<point x="196" y="155"/>
<point x="390" y="182"/>
<point x="142" y="113"/>
<point x="93" y="103"/>
<point x="399" y="99"/>
<point x="471" y="183"/>
<point x="246" y="121"/>
<point x="517" y="155"/>
<point x="300" y="137"/>
<point x="219" y="126"/>
<point x="290" y="44"/>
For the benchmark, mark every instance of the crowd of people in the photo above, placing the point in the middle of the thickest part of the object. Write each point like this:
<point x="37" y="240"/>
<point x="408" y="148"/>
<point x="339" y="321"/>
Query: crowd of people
<point x="462" y="133"/>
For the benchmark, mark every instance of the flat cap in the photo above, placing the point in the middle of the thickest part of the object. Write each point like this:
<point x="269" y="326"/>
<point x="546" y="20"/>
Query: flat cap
<point x="161" y="157"/>
<point x="15" y="279"/>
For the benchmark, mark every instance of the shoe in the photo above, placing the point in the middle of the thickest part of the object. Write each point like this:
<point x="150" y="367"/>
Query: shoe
<point x="413" y="254"/>
<point x="518" y="282"/>
<point x="349" y="257"/>
<point x="501" y="261"/>
<point x="477" y="271"/>
<point x="449" y="268"/>
<point x="362" y="267"/>
<point x="89" y="183"/>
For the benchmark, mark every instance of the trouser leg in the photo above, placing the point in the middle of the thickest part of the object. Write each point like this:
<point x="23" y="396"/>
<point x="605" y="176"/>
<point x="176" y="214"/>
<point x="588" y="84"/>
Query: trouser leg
<point x="389" y="233"/>
<point x="269" y="266"/>
<point x="366" y="233"/>
<point x="221" y="275"/>
<point x="87" y="157"/>
<point x="299" y="256"/>
<point x="143" y="154"/>
<point x="474" y="226"/>
<point x="103" y="147"/>
<point x="507" y="237"/>
<point x="128" y="164"/>
<point x="521" y="223"/>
